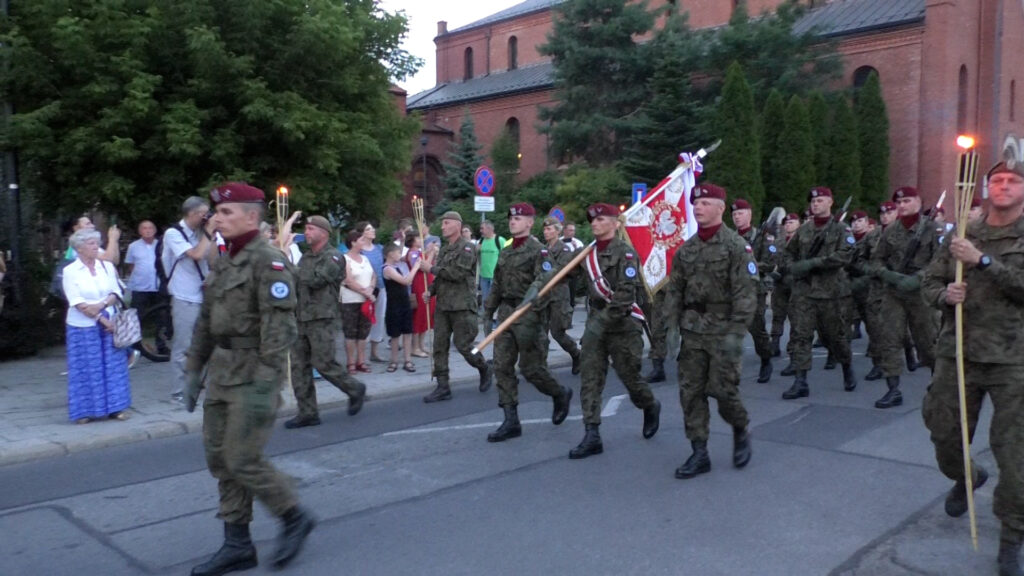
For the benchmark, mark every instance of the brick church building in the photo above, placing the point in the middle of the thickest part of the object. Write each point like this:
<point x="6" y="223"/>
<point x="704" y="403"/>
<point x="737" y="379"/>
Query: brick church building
<point x="946" y="67"/>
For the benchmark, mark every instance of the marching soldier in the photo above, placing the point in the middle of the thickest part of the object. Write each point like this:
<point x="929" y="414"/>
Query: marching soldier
<point x="559" y="313"/>
<point x="887" y="214"/>
<point x="903" y="252"/>
<point x="711" y="296"/>
<point x="992" y="295"/>
<point x="819" y="253"/>
<point x="515" y="277"/>
<point x="763" y="250"/>
<point x="858" y="282"/>
<point x="245" y="328"/>
<point x="613" y="329"/>
<point x="454" y="285"/>
<point x="782" y="293"/>
<point x="319" y="277"/>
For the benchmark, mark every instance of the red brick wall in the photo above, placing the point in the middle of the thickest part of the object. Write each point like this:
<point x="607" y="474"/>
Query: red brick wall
<point x="530" y="32"/>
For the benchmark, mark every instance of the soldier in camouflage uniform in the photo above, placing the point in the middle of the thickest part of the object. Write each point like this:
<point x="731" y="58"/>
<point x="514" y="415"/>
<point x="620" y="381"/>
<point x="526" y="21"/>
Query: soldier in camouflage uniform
<point x="764" y="250"/>
<point x="317" y="281"/>
<point x="819" y="254"/>
<point x="558" y="313"/>
<point x="454" y="285"/>
<point x="711" y="296"/>
<point x="874" y="321"/>
<point x="245" y="328"/>
<point x="659" y="339"/>
<point x="515" y="280"/>
<point x="613" y="329"/>
<point x="992" y="295"/>
<point x="782" y="292"/>
<point x="903" y="252"/>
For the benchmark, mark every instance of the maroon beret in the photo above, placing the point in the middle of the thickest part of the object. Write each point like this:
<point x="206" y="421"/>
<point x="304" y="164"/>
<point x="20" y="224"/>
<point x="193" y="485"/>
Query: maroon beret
<point x="819" y="192"/>
<point x="905" y="192"/>
<point x="602" y="209"/>
<point x="707" y="190"/>
<point x="740" y="204"/>
<point x="886" y="207"/>
<point x="521" y="209"/>
<point x="872" y="222"/>
<point x="976" y="201"/>
<point x="792" y="216"/>
<point x="858" y="214"/>
<point x="1010" y="165"/>
<point x="236" y="192"/>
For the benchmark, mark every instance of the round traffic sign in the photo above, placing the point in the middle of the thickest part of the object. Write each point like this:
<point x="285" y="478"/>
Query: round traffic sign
<point x="483" y="181"/>
<point x="557" y="213"/>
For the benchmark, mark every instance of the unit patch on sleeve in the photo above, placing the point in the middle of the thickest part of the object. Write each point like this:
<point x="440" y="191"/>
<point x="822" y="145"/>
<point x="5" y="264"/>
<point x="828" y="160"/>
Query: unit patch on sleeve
<point x="279" y="290"/>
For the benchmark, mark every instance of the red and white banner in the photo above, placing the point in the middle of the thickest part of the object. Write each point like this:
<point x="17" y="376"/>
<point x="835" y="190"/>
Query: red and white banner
<point x="663" y="220"/>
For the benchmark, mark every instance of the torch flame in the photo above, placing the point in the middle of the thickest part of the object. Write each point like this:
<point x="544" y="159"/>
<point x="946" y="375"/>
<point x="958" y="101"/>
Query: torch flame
<point x="282" y="190"/>
<point x="965" y="142"/>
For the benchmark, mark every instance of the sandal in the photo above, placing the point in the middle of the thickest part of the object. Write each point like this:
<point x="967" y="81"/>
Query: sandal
<point x="391" y="367"/>
<point x="351" y="368"/>
<point x="364" y="368"/>
<point x="420" y="354"/>
<point x="409" y="367"/>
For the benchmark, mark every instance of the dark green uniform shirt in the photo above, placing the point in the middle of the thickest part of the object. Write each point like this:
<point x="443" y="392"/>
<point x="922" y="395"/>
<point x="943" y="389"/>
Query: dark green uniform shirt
<point x="318" y="280"/>
<point x="829" y="248"/>
<point x="455" y="277"/>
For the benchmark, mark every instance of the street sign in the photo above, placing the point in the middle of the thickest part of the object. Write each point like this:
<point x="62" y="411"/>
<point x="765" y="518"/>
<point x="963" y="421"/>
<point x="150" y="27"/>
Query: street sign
<point x="557" y="213"/>
<point x="483" y="181"/>
<point x="483" y="203"/>
<point x="639" y="189"/>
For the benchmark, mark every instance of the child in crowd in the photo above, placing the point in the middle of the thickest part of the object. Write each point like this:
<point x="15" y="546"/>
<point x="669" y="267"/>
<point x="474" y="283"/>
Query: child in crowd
<point x="398" y="276"/>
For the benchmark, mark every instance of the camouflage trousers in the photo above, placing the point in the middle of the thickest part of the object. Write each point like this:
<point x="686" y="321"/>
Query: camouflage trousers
<point x="780" y="311"/>
<point x="762" y="342"/>
<point x="710" y="373"/>
<point x="659" y="327"/>
<point x="237" y="422"/>
<point x="899" y="312"/>
<point x="869" y="305"/>
<point x="623" y="342"/>
<point x="523" y="341"/>
<point x="314" y="348"/>
<point x="941" y="411"/>
<point x="461" y="326"/>
<point x="828" y="318"/>
<point x="557" y="318"/>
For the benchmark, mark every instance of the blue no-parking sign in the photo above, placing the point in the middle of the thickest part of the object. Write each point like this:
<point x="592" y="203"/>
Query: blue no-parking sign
<point x="483" y="181"/>
<point x="639" y="189"/>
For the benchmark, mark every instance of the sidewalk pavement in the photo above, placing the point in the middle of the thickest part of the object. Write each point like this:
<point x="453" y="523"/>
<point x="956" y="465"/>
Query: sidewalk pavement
<point x="33" y="400"/>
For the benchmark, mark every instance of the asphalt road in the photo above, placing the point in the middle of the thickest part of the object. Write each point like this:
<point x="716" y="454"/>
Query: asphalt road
<point x="834" y="487"/>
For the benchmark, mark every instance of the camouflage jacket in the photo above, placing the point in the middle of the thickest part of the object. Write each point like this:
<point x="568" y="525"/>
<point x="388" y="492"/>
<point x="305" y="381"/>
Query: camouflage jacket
<point x="764" y="251"/>
<point x="556" y="255"/>
<point x="827" y="277"/>
<point x="318" y="280"/>
<point x="994" y="307"/>
<point x="247" y="320"/>
<point x="895" y="241"/>
<point x="713" y="285"/>
<point x="517" y="269"/>
<point x="620" y="266"/>
<point x="455" y="277"/>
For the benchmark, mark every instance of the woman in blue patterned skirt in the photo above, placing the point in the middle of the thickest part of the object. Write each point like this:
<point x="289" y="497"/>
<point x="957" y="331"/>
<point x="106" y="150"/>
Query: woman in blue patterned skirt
<point x="97" y="371"/>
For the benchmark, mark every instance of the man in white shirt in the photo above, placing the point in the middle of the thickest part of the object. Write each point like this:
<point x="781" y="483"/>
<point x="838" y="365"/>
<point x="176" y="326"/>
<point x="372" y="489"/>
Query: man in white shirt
<point x="185" y="258"/>
<point x="574" y="244"/>
<point x="140" y="265"/>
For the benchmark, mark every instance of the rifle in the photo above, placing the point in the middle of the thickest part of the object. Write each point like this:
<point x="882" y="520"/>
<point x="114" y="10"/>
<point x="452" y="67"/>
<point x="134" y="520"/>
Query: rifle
<point x="819" y="240"/>
<point x="915" y="242"/>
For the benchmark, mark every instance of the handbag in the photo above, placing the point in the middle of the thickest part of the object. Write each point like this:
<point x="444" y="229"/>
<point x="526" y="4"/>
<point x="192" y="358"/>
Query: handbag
<point x="369" y="311"/>
<point x="127" y="329"/>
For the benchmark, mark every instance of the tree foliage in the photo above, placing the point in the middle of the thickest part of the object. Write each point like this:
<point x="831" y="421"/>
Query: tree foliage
<point x="820" y="117"/>
<point x="130" y="105"/>
<point x="844" y="175"/>
<point x="463" y="160"/>
<point x="737" y="164"/>
<point x="795" y="156"/>
<point x="582" y="186"/>
<point x="873" y="136"/>
<point x="773" y="123"/>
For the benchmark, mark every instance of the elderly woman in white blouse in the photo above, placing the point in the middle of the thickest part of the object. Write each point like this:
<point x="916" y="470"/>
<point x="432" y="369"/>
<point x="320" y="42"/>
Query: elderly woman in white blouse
<point x="97" y="371"/>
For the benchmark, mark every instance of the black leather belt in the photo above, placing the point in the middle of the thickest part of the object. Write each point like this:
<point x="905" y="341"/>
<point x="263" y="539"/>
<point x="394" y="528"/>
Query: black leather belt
<point x="238" y="342"/>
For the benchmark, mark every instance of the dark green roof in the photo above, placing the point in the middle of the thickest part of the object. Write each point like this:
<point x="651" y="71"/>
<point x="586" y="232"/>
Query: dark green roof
<point x="509" y="13"/>
<point x="528" y="78"/>
<point x="843" y="17"/>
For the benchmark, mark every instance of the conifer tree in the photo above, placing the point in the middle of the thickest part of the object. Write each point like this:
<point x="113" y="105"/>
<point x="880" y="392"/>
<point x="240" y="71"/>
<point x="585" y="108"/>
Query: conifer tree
<point x="737" y="164"/>
<point x="463" y="160"/>
<point x="773" y="122"/>
<point x="844" y="151"/>
<point x="873" y="133"/>
<point x="795" y="155"/>
<point x="820" y="118"/>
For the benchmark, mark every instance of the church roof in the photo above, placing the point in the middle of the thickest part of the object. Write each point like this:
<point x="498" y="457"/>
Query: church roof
<point x="525" y="79"/>
<point x="509" y="13"/>
<point x="843" y="17"/>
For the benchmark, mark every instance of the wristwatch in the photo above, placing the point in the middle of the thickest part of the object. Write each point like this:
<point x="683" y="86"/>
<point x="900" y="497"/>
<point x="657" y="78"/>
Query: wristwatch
<point x="984" y="262"/>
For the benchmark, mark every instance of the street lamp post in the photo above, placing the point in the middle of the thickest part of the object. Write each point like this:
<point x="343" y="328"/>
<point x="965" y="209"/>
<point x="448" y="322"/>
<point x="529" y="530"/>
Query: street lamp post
<point x="423" y="144"/>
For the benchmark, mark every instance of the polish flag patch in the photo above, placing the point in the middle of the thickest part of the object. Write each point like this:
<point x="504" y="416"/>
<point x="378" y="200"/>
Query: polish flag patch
<point x="279" y="266"/>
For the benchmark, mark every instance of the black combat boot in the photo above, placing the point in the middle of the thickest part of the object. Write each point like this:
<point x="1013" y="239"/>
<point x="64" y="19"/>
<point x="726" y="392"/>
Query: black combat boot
<point x="1009" y="553"/>
<point x="561" y="406"/>
<point x="302" y="421"/>
<point x="776" y="346"/>
<point x="576" y="364"/>
<point x="893" y="397"/>
<point x="799" y="389"/>
<point x="740" y="447"/>
<point x="766" y="371"/>
<point x="652" y="419"/>
<point x="486" y="375"/>
<point x="355" y="403"/>
<point x="657" y="373"/>
<point x="698" y="463"/>
<point x="510" y="428"/>
<point x="789" y="370"/>
<point x="849" y="379"/>
<point x="442" y="392"/>
<point x="911" y="354"/>
<point x="875" y="373"/>
<point x="590" y="445"/>
<point x="956" y="500"/>
<point x="237" y="553"/>
<point x="830" y="362"/>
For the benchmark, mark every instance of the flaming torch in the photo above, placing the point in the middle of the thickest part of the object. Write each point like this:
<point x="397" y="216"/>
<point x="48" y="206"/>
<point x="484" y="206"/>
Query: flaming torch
<point x="417" y="215"/>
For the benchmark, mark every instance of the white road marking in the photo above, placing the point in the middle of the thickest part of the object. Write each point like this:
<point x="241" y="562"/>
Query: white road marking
<point x="613" y="405"/>
<point x="470" y="426"/>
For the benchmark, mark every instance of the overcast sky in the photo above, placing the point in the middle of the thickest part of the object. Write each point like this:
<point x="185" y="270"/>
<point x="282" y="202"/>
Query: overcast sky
<point x="423" y="16"/>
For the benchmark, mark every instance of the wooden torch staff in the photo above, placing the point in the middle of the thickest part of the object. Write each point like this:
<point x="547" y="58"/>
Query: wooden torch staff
<point x="418" y="217"/>
<point x="967" y="172"/>
<point x="527" y="305"/>
<point x="281" y="209"/>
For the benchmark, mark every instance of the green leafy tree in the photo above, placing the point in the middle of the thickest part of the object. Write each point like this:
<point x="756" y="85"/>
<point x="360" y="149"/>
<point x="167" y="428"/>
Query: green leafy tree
<point x="795" y="156"/>
<point x="505" y="162"/>
<point x="773" y="123"/>
<point x="737" y="164"/>
<point x="583" y="186"/>
<point x="463" y="160"/>
<point x="600" y="73"/>
<point x="130" y="105"/>
<point x="844" y="175"/>
<point x="873" y="135"/>
<point x="820" y="118"/>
